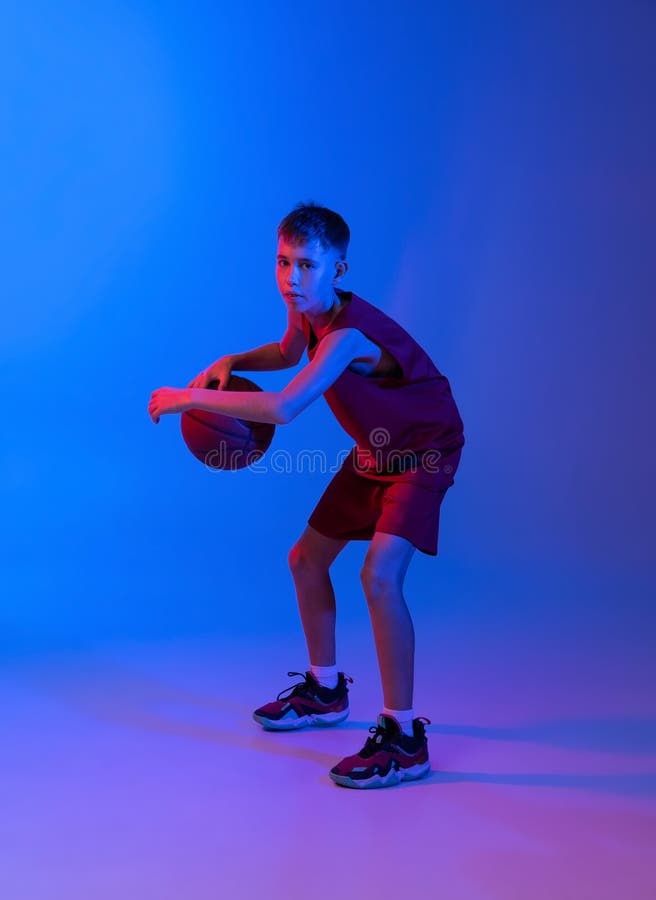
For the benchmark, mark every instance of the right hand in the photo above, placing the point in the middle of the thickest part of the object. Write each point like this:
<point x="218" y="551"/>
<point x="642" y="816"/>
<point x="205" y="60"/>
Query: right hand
<point x="218" y="371"/>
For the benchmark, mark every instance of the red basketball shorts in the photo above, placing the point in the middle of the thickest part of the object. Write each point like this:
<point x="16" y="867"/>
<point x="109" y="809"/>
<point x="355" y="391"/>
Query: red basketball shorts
<point x="354" y="507"/>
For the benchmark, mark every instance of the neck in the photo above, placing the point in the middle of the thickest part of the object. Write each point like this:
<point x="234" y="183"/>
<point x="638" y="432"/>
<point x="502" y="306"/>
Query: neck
<point x="322" y="320"/>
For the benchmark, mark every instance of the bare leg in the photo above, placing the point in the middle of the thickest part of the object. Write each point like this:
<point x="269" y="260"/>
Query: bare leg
<point x="395" y="647"/>
<point x="309" y="561"/>
<point x="382" y="578"/>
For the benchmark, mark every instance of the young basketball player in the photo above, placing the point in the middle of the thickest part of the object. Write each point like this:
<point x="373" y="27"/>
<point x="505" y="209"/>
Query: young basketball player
<point x="391" y="399"/>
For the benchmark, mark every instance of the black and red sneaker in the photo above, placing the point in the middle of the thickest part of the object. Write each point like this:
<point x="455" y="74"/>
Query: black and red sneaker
<point x="388" y="757"/>
<point x="309" y="703"/>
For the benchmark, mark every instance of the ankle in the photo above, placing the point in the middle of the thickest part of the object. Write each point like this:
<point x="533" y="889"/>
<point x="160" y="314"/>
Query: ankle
<point x="327" y="676"/>
<point x="404" y="717"/>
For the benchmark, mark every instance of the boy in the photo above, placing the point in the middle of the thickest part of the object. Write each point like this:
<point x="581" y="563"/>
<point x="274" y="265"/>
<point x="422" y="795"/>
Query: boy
<point x="389" y="397"/>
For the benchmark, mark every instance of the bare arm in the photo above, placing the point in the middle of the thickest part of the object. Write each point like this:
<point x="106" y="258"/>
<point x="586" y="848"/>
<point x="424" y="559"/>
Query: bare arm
<point x="333" y="355"/>
<point x="255" y="406"/>
<point x="266" y="358"/>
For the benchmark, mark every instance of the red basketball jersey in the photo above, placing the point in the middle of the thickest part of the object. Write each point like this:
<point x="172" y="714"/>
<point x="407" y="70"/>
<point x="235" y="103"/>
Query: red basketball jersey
<point x="392" y="417"/>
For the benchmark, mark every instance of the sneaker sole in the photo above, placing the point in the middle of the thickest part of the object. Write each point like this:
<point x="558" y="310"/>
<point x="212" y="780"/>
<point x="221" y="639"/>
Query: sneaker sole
<point x="325" y="720"/>
<point x="394" y="776"/>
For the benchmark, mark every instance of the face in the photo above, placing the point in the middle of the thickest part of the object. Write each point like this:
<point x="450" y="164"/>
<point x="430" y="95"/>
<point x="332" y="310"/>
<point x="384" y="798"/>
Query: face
<point x="309" y="272"/>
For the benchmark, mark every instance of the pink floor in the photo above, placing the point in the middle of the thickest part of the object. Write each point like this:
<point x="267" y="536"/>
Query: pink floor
<point x="134" y="770"/>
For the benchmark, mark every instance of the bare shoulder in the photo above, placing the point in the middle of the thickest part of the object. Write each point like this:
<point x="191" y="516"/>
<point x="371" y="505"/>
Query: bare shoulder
<point x="334" y="352"/>
<point x="347" y="337"/>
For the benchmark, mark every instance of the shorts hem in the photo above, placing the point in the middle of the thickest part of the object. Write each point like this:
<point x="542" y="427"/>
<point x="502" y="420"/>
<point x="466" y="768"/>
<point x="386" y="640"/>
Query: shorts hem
<point x="345" y="536"/>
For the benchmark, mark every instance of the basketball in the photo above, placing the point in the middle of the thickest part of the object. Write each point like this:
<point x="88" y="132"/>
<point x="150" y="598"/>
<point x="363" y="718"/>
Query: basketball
<point x="223" y="442"/>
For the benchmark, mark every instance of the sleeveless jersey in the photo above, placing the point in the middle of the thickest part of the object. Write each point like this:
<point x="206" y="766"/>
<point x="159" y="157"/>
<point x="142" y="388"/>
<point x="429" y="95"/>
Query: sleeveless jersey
<point x="399" y="420"/>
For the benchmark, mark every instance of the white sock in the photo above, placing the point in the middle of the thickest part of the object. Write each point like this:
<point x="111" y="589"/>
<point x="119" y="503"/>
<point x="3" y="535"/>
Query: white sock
<point x="326" y="675"/>
<point x="404" y="717"/>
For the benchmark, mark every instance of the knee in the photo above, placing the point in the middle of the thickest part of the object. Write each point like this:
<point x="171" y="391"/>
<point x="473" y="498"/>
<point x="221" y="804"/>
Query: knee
<point x="300" y="559"/>
<point x="377" y="582"/>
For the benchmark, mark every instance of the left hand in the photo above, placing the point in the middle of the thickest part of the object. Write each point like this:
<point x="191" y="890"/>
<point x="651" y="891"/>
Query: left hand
<point x="168" y="400"/>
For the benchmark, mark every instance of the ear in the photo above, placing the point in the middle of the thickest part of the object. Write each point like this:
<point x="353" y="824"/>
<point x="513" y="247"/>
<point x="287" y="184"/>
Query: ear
<point x="341" y="268"/>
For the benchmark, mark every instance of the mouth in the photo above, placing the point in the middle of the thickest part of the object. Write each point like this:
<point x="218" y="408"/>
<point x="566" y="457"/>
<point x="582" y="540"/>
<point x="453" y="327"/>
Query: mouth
<point x="293" y="296"/>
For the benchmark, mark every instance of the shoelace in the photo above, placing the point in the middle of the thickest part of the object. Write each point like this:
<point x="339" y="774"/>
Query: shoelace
<point x="381" y="739"/>
<point x="303" y="688"/>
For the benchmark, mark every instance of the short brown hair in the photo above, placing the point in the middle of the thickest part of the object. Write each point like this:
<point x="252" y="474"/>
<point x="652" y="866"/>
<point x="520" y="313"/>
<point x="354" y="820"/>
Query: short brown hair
<point x="311" y="222"/>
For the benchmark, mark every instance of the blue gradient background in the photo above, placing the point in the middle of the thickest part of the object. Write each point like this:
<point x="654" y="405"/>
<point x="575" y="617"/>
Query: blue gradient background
<point x="495" y="165"/>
